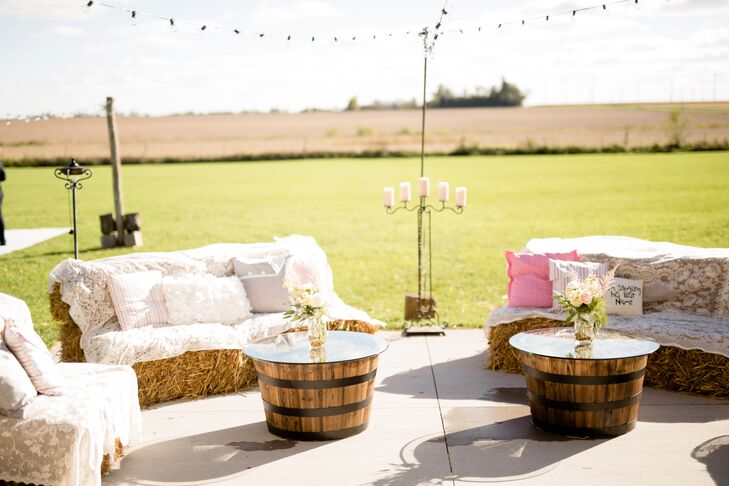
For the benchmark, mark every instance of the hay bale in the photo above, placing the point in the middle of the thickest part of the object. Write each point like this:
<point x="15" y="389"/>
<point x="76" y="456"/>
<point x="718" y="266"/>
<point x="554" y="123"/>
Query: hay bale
<point x="669" y="368"/>
<point x="106" y="461"/>
<point x="689" y="370"/>
<point x="190" y="375"/>
<point x="501" y="356"/>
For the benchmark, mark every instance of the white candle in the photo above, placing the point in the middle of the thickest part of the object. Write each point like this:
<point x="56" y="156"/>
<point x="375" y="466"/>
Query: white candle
<point x="461" y="197"/>
<point x="424" y="187"/>
<point x="443" y="191"/>
<point x="389" y="197"/>
<point x="405" y="192"/>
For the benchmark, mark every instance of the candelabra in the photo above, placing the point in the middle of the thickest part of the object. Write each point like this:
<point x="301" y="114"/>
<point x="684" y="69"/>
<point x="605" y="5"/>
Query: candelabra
<point x="422" y="306"/>
<point x="72" y="174"/>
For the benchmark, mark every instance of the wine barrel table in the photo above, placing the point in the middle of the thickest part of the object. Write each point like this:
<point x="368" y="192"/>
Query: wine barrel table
<point x="583" y="392"/>
<point x="323" y="394"/>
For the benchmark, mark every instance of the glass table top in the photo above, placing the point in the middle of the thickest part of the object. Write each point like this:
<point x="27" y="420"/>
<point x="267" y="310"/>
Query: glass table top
<point x="559" y="342"/>
<point x="294" y="348"/>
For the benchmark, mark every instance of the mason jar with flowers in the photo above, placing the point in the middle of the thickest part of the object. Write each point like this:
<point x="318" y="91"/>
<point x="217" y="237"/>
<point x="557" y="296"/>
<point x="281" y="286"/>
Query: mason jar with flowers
<point x="308" y="307"/>
<point x="583" y="301"/>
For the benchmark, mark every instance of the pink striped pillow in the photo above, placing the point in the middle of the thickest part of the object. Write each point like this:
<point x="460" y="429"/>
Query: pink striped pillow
<point x="28" y="348"/>
<point x="138" y="299"/>
<point x="529" y="284"/>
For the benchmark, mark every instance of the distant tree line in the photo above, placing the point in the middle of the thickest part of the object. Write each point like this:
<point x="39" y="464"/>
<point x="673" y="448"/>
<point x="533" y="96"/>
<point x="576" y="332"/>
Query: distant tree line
<point x="507" y="94"/>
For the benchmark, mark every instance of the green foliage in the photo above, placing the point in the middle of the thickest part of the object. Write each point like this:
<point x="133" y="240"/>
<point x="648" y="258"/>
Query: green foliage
<point x="507" y="94"/>
<point x="680" y="197"/>
<point x="353" y="104"/>
<point x="676" y="128"/>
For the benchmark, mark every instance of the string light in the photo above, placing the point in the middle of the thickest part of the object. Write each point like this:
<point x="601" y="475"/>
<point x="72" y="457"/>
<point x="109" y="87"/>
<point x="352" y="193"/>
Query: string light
<point x="432" y="36"/>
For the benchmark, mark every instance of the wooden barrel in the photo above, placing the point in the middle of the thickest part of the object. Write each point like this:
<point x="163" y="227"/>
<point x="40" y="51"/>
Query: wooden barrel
<point x="317" y="401"/>
<point x="584" y="397"/>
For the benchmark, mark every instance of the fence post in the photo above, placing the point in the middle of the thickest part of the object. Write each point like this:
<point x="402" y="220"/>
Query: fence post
<point x="115" y="170"/>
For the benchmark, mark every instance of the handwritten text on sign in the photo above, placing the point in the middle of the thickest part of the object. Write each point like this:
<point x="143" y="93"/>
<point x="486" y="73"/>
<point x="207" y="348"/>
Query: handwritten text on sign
<point x="625" y="295"/>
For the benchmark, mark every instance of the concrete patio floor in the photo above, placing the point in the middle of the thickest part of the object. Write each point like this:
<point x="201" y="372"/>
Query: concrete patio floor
<point x="439" y="417"/>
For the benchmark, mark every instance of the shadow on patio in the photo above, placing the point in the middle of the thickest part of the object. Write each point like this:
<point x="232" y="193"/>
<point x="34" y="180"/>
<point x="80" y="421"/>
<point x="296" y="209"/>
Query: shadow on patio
<point x="207" y="457"/>
<point x="500" y="451"/>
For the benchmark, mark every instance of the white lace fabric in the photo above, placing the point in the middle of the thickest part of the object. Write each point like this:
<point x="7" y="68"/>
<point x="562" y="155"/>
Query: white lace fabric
<point x="685" y="289"/>
<point x="84" y="289"/>
<point x="62" y="439"/>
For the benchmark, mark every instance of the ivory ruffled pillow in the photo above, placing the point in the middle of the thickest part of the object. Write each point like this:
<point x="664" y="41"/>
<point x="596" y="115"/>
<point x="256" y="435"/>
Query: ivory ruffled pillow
<point x="29" y="349"/>
<point x="138" y="298"/>
<point x="16" y="389"/>
<point x="204" y="298"/>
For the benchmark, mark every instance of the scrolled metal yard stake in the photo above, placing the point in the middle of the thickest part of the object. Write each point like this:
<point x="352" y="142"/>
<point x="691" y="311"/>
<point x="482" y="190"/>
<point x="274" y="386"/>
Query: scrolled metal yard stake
<point x="73" y="174"/>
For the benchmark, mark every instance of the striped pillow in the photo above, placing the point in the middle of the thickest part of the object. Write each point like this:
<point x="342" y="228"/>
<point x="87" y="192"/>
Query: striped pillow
<point x="562" y="272"/>
<point x="28" y="348"/>
<point x="138" y="299"/>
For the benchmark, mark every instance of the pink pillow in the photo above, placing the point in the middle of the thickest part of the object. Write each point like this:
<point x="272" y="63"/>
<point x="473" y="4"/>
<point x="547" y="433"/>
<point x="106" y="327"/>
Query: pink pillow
<point x="529" y="284"/>
<point x="28" y="348"/>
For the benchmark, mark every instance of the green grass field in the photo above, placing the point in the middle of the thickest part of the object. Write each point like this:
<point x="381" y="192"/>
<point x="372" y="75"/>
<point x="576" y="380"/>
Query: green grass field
<point x="681" y="197"/>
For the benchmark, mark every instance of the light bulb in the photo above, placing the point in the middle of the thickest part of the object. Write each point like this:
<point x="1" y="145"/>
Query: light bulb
<point x="133" y="18"/>
<point x="86" y="8"/>
<point x="173" y="27"/>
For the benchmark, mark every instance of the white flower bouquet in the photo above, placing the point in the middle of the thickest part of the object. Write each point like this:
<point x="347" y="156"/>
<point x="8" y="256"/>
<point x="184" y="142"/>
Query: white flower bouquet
<point x="584" y="303"/>
<point x="308" y="306"/>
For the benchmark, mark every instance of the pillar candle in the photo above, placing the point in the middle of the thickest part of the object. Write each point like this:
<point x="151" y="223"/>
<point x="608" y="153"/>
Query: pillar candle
<point x="424" y="187"/>
<point x="443" y="191"/>
<point x="405" y="192"/>
<point x="461" y="197"/>
<point x="389" y="197"/>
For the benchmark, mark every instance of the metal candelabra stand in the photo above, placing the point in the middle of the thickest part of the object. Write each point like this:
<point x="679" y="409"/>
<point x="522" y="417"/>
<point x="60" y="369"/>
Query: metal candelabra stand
<point x="422" y="307"/>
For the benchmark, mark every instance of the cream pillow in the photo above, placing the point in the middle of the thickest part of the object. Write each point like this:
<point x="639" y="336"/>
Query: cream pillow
<point x="138" y="299"/>
<point x="624" y="298"/>
<point x="29" y="349"/>
<point x="562" y="271"/>
<point x="205" y="298"/>
<point x="16" y="389"/>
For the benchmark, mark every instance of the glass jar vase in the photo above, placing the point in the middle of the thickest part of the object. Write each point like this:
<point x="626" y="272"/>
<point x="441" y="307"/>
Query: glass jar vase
<point x="317" y="333"/>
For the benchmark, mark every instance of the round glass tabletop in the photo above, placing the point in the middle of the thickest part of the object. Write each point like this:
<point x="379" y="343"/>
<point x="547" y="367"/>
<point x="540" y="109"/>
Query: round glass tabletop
<point x="294" y="348"/>
<point x="559" y="342"/>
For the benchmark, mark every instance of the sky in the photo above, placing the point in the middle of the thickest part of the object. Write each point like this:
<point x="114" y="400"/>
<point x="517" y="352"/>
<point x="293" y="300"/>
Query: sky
<point x="55" y="58"/>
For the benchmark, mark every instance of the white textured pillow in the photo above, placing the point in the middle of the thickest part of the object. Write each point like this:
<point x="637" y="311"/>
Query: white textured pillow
<point x="16" y="389"/>
<point x="28" y="348"/>
<point x="562" y="271"/>
<point x="624" y="298"/>
<point x="205" y="298"/>
<point x="138" y="299"/>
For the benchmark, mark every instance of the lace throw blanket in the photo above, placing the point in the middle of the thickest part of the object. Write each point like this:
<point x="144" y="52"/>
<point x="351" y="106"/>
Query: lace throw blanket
<point x="63" y="439"/>
<point x="84" y="288"/>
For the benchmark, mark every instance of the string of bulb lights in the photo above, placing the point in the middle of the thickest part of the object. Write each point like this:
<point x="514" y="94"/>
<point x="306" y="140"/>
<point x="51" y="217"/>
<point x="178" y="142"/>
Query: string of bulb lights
<point x="174" y="22"/>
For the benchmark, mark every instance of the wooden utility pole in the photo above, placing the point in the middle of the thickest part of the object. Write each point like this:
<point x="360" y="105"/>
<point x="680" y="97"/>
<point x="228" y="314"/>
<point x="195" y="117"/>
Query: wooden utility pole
<point x="115" y="170"/>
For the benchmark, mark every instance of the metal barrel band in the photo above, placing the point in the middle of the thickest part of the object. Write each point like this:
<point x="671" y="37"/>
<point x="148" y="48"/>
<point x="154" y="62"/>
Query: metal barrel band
<point x="585" y="431"/>
<point x="584" y="380"/>
<point x="583" y="407"/>
<point x="317" y="412"/>
<point x="317" y="384"/>
<point x="331" y="435"/>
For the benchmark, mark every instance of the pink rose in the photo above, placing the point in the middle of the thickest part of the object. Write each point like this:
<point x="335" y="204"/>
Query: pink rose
<point x="586" y="297"/>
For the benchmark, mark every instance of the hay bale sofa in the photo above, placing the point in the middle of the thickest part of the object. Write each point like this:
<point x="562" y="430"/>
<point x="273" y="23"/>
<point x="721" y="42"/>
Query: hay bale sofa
<point x="685" y="309"/>
<point x="190" y="359"/>
<point x="60" y="424"/>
